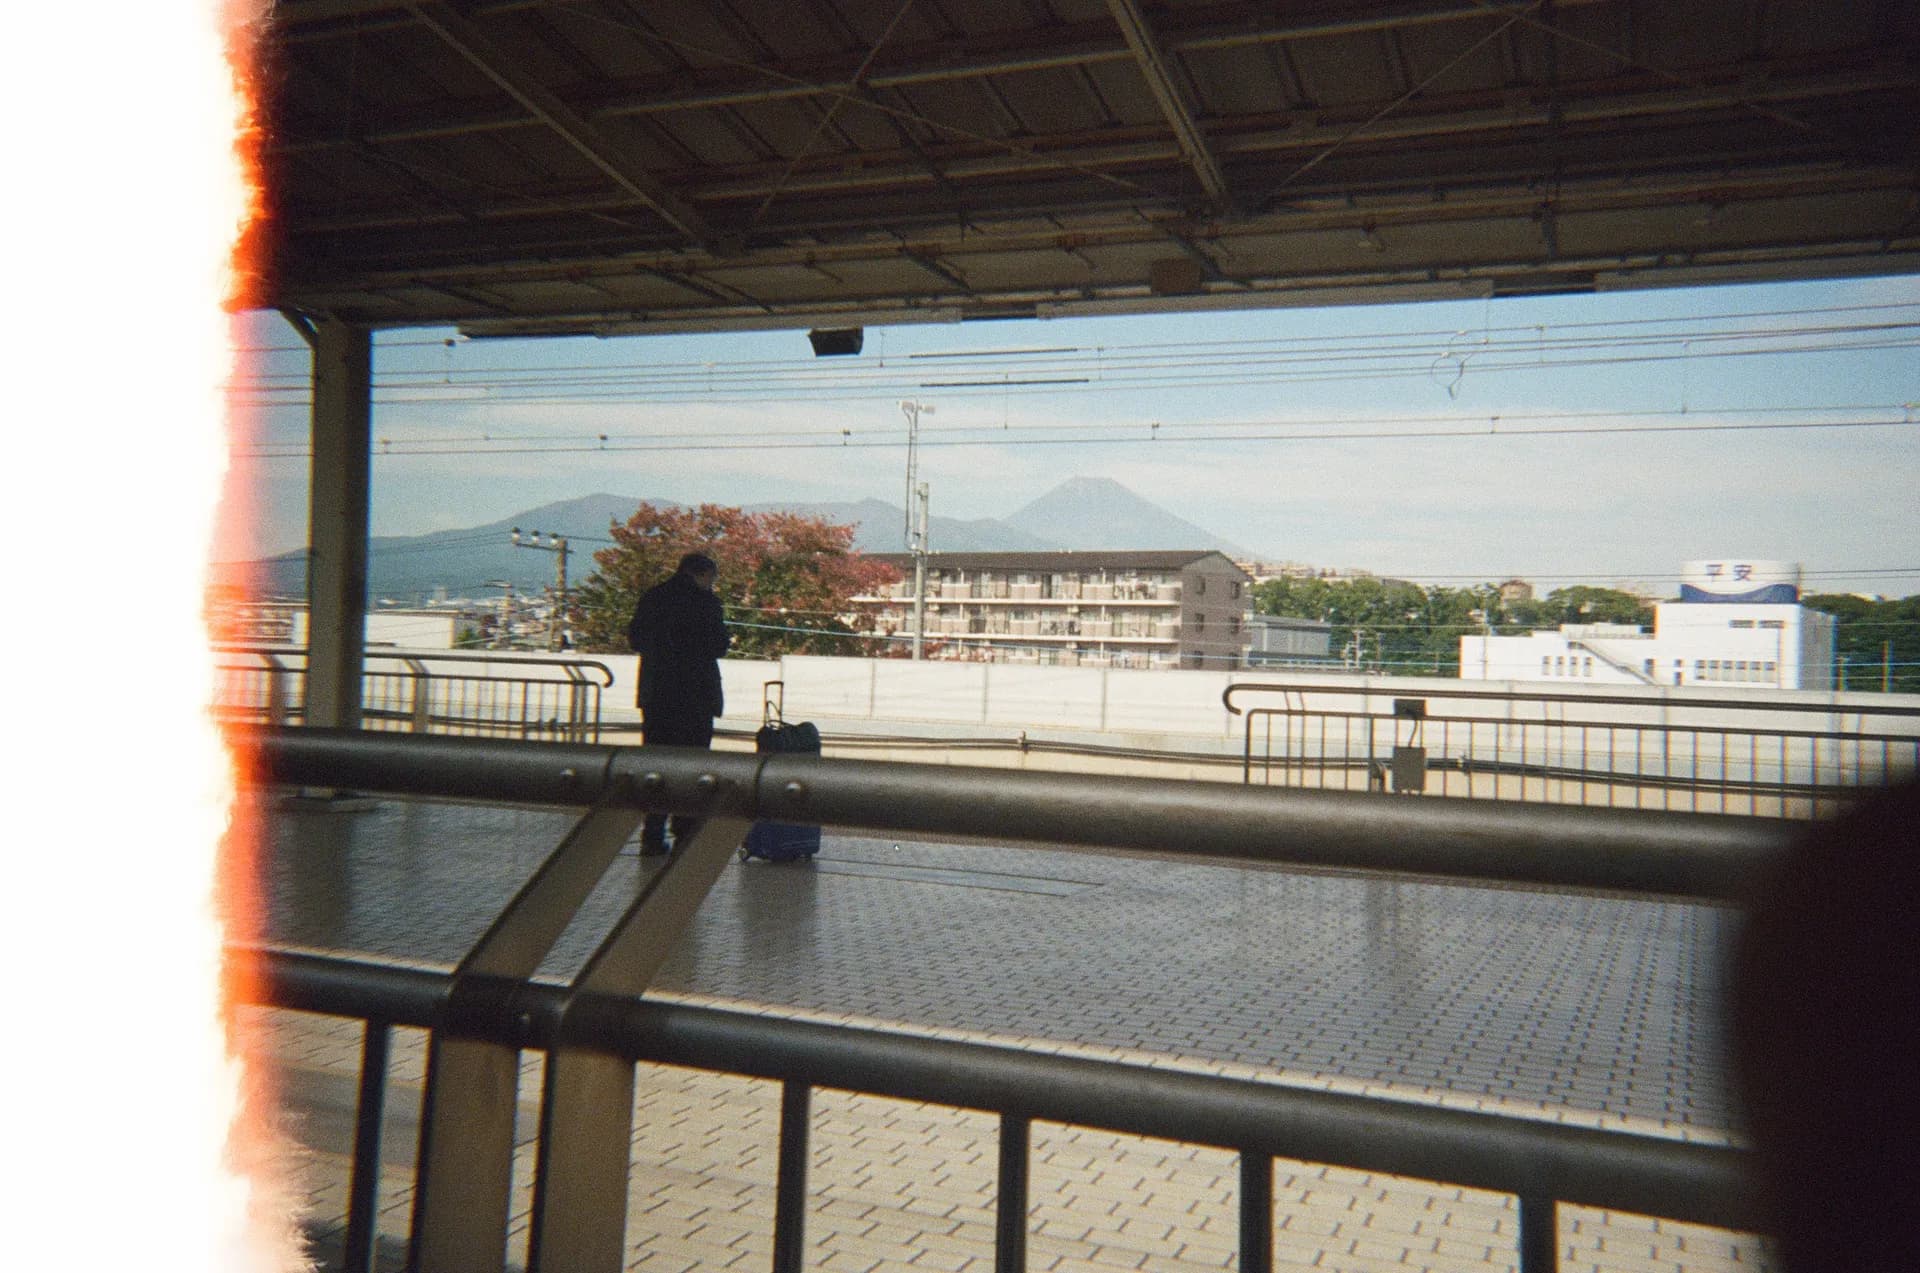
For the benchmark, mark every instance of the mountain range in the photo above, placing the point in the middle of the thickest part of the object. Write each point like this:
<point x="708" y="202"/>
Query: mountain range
<point x="1082" y="513"/>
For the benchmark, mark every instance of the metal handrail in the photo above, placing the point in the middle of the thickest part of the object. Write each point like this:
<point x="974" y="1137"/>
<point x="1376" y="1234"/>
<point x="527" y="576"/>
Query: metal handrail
<point x="1713" y="748"/>
<point x="1541" y="1163"/>
<point x="432" y="690"/>
<point x="569" y="665"/>
<point x="485" y="1011"/>
<point x="1698" y="855"/>
<point x="1388" y="690"/>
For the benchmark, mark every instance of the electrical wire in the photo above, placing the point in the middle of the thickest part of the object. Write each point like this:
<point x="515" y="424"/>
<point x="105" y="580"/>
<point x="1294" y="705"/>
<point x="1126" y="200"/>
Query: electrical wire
<point x="1006" y="439"/>
<point x="621" y="396"/>
<point x="385" y="444"/>
<point x="1170" y="348"/>
<point x="1073" y="357"/>
<point x="1099" y="365"/>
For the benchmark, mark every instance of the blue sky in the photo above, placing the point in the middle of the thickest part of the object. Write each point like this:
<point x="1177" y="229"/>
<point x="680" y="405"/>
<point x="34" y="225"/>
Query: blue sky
<point x="1676" y="366"/>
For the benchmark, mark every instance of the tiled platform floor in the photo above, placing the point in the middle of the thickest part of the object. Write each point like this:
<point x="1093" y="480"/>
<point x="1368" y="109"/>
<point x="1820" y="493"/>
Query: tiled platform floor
<point x="1590" y="1010"/>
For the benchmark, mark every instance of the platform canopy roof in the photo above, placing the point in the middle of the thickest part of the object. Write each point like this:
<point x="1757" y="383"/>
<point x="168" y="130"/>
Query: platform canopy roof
<point x="532" y="166"/>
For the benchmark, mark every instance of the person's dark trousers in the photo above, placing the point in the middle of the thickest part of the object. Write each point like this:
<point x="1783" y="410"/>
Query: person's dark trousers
<point x="666" y="727"/>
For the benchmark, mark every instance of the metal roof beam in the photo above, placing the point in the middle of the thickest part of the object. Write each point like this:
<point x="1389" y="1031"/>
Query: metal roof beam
<point x="1160" y="77"/>
<point x="493" y="62"/>
<point x="1069" y="46"/>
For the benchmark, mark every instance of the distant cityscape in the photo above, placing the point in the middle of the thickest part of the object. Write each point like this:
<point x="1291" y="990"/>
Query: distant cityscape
<point x="1092" y="574"/>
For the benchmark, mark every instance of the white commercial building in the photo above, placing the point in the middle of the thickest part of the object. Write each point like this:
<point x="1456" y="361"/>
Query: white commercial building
<point x="1736" y="623"/>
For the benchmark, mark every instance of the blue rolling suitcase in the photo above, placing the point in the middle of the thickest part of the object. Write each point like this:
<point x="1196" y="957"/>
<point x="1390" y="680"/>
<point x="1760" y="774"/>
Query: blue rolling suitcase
<point x="782" y="841"/>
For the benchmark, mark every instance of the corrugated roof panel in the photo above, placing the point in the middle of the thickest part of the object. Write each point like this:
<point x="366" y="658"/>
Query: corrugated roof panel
<point x="1453" y="57"/>
<point x="1344" y="71"/>
<point x="711" y="138"/>
<point x="1235" y="81"/>
<point x="1057" y="101"/>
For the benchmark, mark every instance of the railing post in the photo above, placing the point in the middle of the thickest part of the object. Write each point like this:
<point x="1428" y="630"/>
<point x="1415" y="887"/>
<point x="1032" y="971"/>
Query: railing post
<point x="586" y="1121"/>
<point x="1256" y="1211"/>
<point x="790" y="1189"/>
<point x="1539" y="1235"/>
<point x="422" y="695"/>
<point x="363" y="1225"/>
<point x="464" y="1167"/>
<point x="276" y="692"/>
<point x="576" y="730"/>
<point x="1010" y="1233"/>
<point x="1246" y="754"/>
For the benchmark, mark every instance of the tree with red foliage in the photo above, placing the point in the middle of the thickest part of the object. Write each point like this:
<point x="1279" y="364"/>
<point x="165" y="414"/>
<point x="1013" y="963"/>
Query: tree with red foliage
<point x="785" y="579"/>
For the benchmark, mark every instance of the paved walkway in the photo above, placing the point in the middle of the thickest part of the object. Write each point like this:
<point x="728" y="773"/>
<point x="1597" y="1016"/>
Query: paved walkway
<point x="1586" y="1010"/>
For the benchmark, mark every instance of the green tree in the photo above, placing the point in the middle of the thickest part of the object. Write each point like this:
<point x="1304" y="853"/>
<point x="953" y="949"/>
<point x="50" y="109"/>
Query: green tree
<point x="785" y="579"/>
<point x="1403" y="629"/>
<point x="1583" y="604"/>
<point x="1877" y="641"/>
<point x="1388" y="624"/>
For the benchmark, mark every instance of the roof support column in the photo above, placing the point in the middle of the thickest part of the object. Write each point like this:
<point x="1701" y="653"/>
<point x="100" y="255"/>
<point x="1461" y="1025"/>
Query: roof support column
<point x="337" y="529"/>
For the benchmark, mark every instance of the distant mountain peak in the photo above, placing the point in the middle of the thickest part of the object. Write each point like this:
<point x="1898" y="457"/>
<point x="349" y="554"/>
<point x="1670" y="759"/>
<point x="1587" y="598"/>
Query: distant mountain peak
<point x="1093" y="513"/>
<point x="1090" y="485"/>
<point x="1082" y="513"/>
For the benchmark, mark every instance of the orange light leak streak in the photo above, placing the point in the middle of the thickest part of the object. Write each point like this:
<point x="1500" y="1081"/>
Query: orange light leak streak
<point x="129" y="124"/>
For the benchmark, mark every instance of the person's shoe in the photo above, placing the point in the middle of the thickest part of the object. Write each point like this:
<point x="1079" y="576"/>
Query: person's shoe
<point x="650" y="849"/>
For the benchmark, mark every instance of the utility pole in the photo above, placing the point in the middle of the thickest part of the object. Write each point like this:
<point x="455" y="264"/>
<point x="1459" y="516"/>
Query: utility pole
<point x="912" y="410"/>
<point x="1484" y="619"/>
<point x="918" y="546"/>
<point x="557" y="545"/>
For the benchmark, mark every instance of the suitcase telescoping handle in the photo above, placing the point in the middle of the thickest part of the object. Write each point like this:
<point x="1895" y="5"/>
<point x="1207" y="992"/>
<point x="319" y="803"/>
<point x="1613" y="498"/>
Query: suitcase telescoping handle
<point x="773" y="703"/>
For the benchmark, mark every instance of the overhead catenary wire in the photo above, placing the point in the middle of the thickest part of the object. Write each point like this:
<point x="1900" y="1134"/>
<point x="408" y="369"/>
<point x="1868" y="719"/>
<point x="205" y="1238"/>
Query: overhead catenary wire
<point x="1471" y="429"/>
<point x="989" y="390"/>
<point x="458" y="341"/>
<point x="1101" y="366"/>
<point x="403" y="439"/>
<point x="1314" y="348"/>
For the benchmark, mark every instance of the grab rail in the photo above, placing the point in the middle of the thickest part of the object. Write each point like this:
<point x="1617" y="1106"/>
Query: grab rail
<point x="1542" y="1164"/>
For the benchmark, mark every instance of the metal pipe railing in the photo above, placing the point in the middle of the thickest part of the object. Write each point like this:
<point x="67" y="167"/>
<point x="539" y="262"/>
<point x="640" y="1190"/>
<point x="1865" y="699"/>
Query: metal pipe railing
<point x="411" y="691"/>
<point x="1542" y="1163"/>
<point x="487" y="1010"/>
<point x="1705" y="856"/>
<point x="1386" y="689"/>
<point x="1695" y="751"/>
<point x="442" y="656"/>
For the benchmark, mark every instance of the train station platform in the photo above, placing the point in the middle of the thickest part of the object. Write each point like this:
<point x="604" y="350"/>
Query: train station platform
<point x="1582" y="1009"/>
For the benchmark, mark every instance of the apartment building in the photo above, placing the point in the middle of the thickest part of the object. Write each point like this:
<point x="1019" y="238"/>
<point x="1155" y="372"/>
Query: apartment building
<point x="1149" y="609"/>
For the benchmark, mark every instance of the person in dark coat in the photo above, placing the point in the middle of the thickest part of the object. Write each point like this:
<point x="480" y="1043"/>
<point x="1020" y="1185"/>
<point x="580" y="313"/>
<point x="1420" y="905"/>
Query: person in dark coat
<point x="680" y="632"/>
